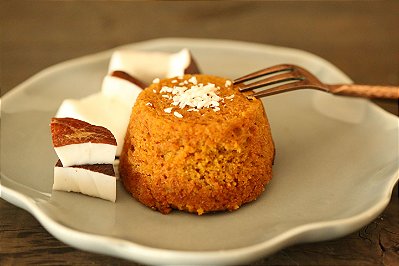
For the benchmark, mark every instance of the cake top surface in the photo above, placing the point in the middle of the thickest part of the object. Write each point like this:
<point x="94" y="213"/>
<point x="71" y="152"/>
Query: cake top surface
<point x="199" y="98"/>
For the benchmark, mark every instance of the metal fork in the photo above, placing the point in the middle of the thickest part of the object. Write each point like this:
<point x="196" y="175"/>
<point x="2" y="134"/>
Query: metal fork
<point x="286" y="77"/>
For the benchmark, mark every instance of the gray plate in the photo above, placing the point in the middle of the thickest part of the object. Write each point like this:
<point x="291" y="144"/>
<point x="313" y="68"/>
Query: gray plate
<point x="336" y="165"/>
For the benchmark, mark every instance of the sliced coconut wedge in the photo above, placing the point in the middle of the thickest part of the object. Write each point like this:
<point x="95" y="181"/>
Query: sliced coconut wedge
<point x="102" y="110"/>
<point x="146" y="65"/>
<point x="96" y="180"/>
<point x="182" y="63"/>
<point x="122" y="86"/>
<point x="150" y="65"/>
<point x="125" y="76"/>
<point x="77" y="142"/>
<point x="109" y="108"/>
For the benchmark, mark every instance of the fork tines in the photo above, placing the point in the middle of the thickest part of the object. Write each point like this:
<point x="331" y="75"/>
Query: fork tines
<point x="276" y="74"/>
<point x="287" y="77"/>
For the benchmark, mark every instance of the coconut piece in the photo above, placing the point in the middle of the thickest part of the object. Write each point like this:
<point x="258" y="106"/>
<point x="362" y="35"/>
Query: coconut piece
<point x="146" y="65"/>
<point x="123" y="87"/>
<point x="77" y="142"/>
<point x="182" y="63"/>
<point x="110" y="108"/>
<point x="151" y="65"/>
<point x="102" y="110"/>
<point x="97" y="180"/>
<point x="125" y="76"/>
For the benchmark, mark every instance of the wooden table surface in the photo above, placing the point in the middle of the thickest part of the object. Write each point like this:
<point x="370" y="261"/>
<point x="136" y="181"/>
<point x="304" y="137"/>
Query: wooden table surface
<point x="360" y="38"/>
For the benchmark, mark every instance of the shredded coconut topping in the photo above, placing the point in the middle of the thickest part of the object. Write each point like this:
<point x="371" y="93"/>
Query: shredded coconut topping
<point x="148" y="104"/>
<point x="167" y="96"/>
<point x="228" y="83"/>
<point x="156" y="80"/>
<point x="195" y="96"/>
<point x="177" y="114"/>
<point x="193" y="80"/>
<point x="168" y="110"/>
<point x="198" y="96"/>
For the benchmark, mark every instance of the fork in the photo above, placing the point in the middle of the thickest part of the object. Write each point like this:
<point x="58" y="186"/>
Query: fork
<point x="287" y="77"/>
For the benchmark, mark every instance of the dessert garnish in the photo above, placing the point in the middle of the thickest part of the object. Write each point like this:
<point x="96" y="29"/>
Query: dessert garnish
<point x="149" y="65"/>
<point x="123" y="75"/>
<point x="77" y="142"/>
<point x="96" y="180"/>
<point x="86" y="154"/>
<point x="191" y="94"/>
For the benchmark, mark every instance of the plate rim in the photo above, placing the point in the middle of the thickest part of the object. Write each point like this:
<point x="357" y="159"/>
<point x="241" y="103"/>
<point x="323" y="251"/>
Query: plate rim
<point x="146" y="254"/>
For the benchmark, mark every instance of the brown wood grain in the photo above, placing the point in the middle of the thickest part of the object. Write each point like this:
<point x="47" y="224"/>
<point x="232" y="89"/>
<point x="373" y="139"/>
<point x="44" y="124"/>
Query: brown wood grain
<point x="359" y="37"/>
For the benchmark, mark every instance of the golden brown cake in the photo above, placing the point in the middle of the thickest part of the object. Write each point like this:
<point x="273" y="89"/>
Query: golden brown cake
<point x="196" y="144"/>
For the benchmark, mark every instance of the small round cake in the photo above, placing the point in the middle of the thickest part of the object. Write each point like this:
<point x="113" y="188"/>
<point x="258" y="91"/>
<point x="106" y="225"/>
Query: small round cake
<point x="197" y="144"/>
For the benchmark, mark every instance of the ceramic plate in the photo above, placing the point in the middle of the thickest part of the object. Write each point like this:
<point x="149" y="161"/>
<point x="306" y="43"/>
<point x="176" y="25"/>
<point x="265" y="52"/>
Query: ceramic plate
<point x="336" y="165"/>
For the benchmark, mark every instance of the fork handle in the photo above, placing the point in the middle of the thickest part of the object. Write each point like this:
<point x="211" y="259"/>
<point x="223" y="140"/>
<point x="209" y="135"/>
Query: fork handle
<point x="367" y="91"/>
